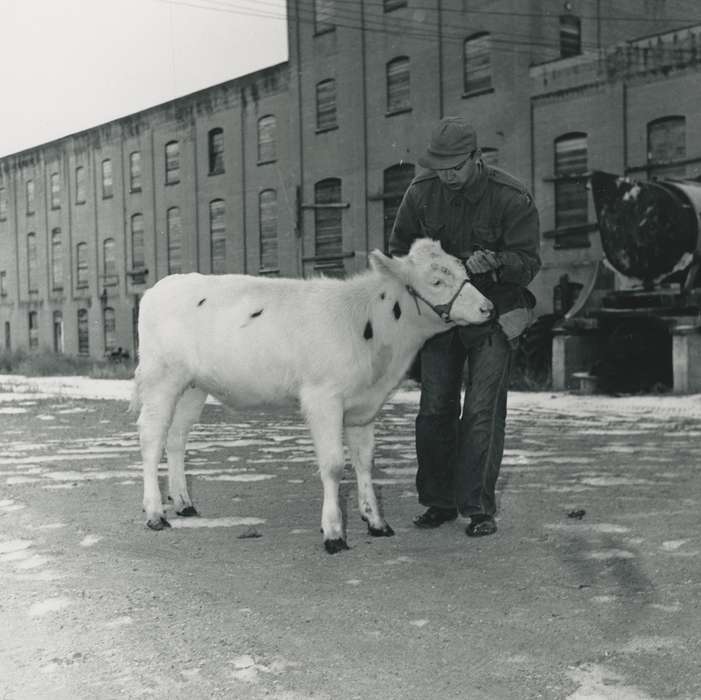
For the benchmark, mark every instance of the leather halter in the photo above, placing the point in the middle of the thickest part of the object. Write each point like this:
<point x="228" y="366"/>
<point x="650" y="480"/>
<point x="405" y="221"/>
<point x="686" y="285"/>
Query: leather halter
<point x="442" y="310"/>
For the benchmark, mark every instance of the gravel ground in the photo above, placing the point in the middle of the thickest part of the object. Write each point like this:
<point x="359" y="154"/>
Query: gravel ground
<point x="243" y="602"/>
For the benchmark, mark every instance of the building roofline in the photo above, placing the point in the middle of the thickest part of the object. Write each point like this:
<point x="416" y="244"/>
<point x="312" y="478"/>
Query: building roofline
<point x="240" y="81"/>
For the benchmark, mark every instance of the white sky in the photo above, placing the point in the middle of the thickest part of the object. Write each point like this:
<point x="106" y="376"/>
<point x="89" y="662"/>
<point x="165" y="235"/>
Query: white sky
<point x="67" y="65"/>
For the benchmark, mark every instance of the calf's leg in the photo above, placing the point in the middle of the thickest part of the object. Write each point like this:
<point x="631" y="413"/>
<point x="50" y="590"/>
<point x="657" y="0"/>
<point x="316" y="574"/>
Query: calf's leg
<point x="324" y="416"/>
<point x="361" y="443"/>
<point x="187" y="412"/>
<point x="157" y="405"/>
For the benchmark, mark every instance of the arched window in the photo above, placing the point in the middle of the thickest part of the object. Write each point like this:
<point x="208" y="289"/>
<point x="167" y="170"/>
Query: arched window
<point x="396" y="179"/>
<point x="56" y="260"/>
<point x="398" y="85"/>
<point x="328" y="229"/>
<point x="216" y="151"/>
<point x="135" y="171"/>
<point x="109" y="261"/>
<point x="172" y="162"/>
<point x="267" y="127"/>
<point x="477" y="63"/>
<point x="174" y="235"/>
<point x="81" y="259"/>
<point x="55" y="191"/>
<point x="570" y="36"/>
<point x="30" y="197"/>
<point x="217" y="236"/>
<point x="80" y="185"/>
<point x="326" y="117"/>
<point x="107" y="181"/>
<point x="571" y="198"/>
<point x="267" y="208"/>
<point x="324" y="12"/>
<point x="109" y="329"/>
<point x="138" y="255"/>
<point x="666" y="143"/>
<point x="32" y="263"/>
<point x="83" y="332"/>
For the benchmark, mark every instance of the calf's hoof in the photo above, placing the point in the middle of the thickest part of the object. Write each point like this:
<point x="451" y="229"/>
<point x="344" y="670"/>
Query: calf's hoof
<point x="158" y="523"/>
<point x="334" y="546"/>
<point x="384" y="531"/>
<point x="187" y="512"/>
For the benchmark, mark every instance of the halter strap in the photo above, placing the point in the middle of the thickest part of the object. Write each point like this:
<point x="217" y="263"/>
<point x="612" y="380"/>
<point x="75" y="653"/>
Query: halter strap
<point x="442" y="310"/>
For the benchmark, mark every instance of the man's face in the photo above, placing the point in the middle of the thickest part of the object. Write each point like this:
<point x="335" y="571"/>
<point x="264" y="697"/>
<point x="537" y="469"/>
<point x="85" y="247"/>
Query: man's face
<point x="457" y="176"/>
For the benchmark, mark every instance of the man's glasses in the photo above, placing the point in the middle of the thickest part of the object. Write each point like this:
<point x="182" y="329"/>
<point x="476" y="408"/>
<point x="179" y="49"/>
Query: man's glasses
<point x="461" y="165"/>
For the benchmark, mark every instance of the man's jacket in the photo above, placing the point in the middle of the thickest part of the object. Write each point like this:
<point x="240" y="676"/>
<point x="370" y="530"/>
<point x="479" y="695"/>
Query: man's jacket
<point x="495" y="213"/>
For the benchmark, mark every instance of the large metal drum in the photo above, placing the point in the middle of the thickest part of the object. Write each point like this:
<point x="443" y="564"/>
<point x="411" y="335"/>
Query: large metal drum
<point x="647" y="228"/>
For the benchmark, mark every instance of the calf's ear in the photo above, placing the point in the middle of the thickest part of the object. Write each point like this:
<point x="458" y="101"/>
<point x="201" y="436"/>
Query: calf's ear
<point x="394" y="267"/>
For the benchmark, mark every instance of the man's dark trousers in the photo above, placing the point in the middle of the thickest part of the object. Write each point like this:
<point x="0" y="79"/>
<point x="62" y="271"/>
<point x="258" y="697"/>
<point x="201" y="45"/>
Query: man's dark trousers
<point x="459" y="456"/>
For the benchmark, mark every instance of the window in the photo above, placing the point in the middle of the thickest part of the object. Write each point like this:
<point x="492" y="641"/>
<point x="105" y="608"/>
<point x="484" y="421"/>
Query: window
<point x="81" y="258"/>
<point x="107" y="182"/>
<point x="396" y="179"/>
<point x="109" y="261"/>
<point x="398" y="88"/>
<point x="109" y="329"/>
<point x="217" y="236"/>
<point x="267" y="208"/>
<point x="58" y="331"/>
<point x="55" y="191"/>
<point x="3" y="283"/>
<point x="83" y="332"/>
<point x="80" y="185"/>
<point x="30" y="197"/>
<point x="490" y="156"/>
<point x="477" y="64"/>
<point x="666" y="143"/>
<point x="266" y="139"/>
<point x="138" y="255"/>
<point x="571" y="199"/>
<point x="135" y="171"/>
<point x="3" y="204"/>
<point x="56" y="260"/>
<point x="172" y="163"/>
<point x="324" y="11"/>
<point x="216" y="151"/>
<point x="8" y="336"/>
<point x="32" y="263"/>
<point x="174" y="233"/>
<point x="570" y="36"/>
<point x="33" y="324"/>
<point x="328" y="232"/>
<point x="326" y="105"/>
<point x="390" y="5"/>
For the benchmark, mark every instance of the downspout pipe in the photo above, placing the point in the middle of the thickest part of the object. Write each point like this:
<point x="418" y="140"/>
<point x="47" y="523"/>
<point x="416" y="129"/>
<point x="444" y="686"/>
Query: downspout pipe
<point x="365" y="132"/>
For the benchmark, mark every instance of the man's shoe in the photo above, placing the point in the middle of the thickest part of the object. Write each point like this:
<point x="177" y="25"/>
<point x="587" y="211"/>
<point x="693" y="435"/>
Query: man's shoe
<point x="435" y="516"/>
<point x="481" y="525"/>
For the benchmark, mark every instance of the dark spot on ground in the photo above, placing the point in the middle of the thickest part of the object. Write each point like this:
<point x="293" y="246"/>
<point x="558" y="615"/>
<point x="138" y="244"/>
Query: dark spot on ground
<point x="367" y="333"/>
<point x="201" y="301"/>
<point x="255" y="314"/>
<point x="397" y="310"/>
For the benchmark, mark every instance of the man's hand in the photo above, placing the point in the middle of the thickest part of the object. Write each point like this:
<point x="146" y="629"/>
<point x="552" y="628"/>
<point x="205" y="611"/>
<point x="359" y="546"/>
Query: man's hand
<point x="481" y="261"/>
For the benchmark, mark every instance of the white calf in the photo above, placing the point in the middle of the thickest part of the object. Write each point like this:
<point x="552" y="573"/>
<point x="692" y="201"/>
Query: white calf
<point x="338" y="347"/>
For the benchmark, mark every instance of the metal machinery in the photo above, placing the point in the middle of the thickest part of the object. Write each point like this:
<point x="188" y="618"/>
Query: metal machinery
<point x="644" y="332"/>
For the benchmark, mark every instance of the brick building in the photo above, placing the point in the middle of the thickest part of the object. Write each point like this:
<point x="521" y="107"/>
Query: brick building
<point x="299" y="168"/>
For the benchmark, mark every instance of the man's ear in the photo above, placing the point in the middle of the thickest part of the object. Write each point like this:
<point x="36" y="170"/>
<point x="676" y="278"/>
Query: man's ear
<point x="394" y="267"/>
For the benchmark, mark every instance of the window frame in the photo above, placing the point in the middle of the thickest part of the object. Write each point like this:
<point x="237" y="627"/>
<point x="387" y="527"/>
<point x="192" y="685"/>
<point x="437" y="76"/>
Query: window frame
<point x="107" y="179"/>
<point x="266" y="147"/>
<point x="56" y="259"/>
<point x="80" y="185"/>
<point x="172" y="162"/>
<point x="32" y="263"/>
<point x="217" y="236"/>
<point x="269" y="261"/>
<point x="174" y="216"/>
<point x="55" y="188"/>
<point x="215" y="151"/>
<point x="30" y="195"/>
<point x="573" y="234"/>
<point x="395" y="105"/>
<point x="82" y="276"/>
<point x="480" y="85"/>
<point x="321" y="25"/>
<point x="83" y="330"/>
<point x="135" y="172"/>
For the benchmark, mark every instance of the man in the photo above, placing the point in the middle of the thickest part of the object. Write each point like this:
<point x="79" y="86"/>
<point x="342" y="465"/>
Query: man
<point x="487" y="218"/>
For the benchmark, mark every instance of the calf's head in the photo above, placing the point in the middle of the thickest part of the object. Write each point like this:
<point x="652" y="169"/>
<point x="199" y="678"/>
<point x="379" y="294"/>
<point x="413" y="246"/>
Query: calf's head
<point x="438" y="282"/>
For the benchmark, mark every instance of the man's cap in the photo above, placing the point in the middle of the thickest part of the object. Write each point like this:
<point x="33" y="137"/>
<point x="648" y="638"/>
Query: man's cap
<point x="451" y="142"/>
